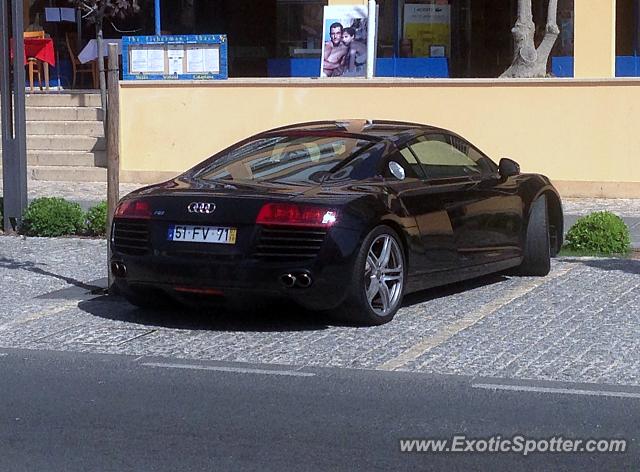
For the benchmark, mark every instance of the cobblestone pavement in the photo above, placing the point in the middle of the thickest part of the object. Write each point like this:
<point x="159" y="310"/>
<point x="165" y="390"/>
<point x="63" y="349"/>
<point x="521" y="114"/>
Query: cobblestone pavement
<point x="92" y="192"/>
<point x="624" y="207"/>
<point x="581" y="323"/>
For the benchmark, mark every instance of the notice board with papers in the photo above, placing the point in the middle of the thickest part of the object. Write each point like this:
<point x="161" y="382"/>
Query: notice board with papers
<point x="182" y="57"/>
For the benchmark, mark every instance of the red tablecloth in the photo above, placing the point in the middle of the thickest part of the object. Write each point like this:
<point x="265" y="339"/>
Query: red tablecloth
<point x="40" y="48"/>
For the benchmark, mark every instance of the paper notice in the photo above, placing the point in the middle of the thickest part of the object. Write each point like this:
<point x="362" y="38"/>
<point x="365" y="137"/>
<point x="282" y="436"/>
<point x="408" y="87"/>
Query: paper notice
<point x="175" y="51"/>
<point x="175" y="66"/>
<point x="195" y="60"/>
<point x="175" y="55"/>
<point x="139" y="60"/>
<point x="155" y="60"/>
<point x="212" y="59"/>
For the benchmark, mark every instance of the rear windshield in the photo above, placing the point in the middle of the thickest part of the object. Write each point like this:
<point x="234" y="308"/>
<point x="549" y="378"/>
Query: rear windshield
<point x="282" y="159"/>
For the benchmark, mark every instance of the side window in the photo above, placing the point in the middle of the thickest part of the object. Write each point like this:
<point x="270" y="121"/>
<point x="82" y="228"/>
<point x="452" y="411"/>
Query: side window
<point x="486" y="164"/>
<point x="409" y="171"/>
<point x="444" y="156"/>
<point x="412" y="162"/>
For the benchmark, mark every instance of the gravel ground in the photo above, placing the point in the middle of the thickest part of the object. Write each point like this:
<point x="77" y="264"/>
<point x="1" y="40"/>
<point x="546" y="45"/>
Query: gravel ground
<point x="92" y="192"/>
<point x="624" y="207"/>
<point x="581" y="323"/>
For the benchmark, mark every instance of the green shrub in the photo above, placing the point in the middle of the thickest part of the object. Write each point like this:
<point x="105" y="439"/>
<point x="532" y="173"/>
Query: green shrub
<point x="52" y="217"/>
<point x="97" y="219"/>
<point x="601" y="232"/>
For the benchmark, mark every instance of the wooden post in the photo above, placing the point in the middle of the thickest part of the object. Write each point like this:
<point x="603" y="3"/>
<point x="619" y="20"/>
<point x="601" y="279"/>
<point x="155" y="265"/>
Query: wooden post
<point x="113" y="148"/>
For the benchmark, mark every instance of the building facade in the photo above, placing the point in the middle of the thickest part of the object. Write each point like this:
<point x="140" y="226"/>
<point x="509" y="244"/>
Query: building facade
<point x="577" y="126"/>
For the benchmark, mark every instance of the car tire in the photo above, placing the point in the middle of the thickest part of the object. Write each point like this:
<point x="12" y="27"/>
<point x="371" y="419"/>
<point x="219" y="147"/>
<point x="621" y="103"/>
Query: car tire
<point x="368" y="302"/>
<point x="537" y="245"/>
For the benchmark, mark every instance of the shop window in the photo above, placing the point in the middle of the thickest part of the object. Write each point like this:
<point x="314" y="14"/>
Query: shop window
<point x="561" y="60"/>
<point x="299" y="28"/>
<point x="416" y="38"/>
<point x="627" y="38"/>
<point x="466" y="38"/>
<point x="425" y="38"/>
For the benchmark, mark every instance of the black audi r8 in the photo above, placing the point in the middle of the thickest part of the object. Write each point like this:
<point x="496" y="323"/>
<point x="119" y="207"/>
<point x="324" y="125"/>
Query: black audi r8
<point x="346" y="216"/>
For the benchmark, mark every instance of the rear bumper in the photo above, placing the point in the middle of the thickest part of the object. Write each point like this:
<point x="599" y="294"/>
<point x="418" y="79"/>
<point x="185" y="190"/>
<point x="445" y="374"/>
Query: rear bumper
<point x="236" y="276"/>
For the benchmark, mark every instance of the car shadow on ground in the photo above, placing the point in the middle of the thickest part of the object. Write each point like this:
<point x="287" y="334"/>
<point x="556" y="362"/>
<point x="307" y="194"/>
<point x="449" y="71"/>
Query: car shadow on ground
<point x="266" y="316"/>
<point x="452" y="289"/>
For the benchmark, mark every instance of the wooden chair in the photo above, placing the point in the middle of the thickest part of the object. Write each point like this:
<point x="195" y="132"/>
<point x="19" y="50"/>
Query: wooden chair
<point x="34" y="65"/>
<point x="77" y="66"/>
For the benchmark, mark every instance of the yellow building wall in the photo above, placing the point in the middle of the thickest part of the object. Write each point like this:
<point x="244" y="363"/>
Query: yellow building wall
<point x="582" y="134"/>
<point x="595" y="38"/>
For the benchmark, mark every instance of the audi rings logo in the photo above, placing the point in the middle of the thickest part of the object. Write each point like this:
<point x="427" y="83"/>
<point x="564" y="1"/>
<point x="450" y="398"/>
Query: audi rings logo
<point x="201" y="207"/>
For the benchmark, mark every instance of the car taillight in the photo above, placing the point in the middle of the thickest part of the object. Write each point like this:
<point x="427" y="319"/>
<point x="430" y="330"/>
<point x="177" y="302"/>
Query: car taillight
<point x="296" y="215"/>
<point x="139" y="209"/>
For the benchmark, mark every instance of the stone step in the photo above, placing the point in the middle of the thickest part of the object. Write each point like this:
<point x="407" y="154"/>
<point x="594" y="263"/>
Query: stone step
<point x="66" y="143"/>
<point x="64" y="114"/>
<point x="62" y="99"/>
<point x="70" y="174"/>
<point x="84" y="128"/>
<point x="67" y="158"/>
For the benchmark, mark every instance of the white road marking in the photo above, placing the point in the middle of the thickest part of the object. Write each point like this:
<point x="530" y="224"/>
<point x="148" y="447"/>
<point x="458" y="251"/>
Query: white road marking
<point x="469" y="320"/>
<point x="238" y="370"/>
<point x="566" y="391"/>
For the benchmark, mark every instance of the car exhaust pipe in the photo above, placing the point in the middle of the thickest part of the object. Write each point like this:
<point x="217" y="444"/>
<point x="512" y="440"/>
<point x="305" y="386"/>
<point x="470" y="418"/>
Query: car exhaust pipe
<point x="119" y="269"/>
<point x="304" y="280"/>
<point x="288" y="280"/>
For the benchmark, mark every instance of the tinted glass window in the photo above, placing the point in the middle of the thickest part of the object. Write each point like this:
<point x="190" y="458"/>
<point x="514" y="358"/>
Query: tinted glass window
<point x="282" y="159"/>
<point x="446" y="156"/>
<point x="412" y="162"/>
<point x="361" y="167"/>
<point x="483" y="161"/>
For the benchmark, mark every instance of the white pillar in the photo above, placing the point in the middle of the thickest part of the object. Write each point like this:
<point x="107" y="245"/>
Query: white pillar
<point x="371" y="39"/>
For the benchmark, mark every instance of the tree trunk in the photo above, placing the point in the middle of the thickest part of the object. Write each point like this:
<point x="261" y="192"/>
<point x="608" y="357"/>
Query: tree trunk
<point x="529" y="62"/>
<point x="101" y="76"/>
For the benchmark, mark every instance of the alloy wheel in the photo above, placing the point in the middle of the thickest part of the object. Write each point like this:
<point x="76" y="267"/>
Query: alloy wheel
<point x="384" y="274"/>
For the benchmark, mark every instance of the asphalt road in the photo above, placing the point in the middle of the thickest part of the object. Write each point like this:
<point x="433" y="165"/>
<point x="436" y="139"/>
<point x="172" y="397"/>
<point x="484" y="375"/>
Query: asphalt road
<point x="82" y="412"/>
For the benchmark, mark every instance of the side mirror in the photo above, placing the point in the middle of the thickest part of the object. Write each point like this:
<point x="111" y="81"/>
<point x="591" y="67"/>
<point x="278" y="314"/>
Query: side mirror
<point x="508" y="167"/>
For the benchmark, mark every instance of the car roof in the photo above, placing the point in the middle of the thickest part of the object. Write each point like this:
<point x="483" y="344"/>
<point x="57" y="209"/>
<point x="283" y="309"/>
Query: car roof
<point x="395" y="131"/>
